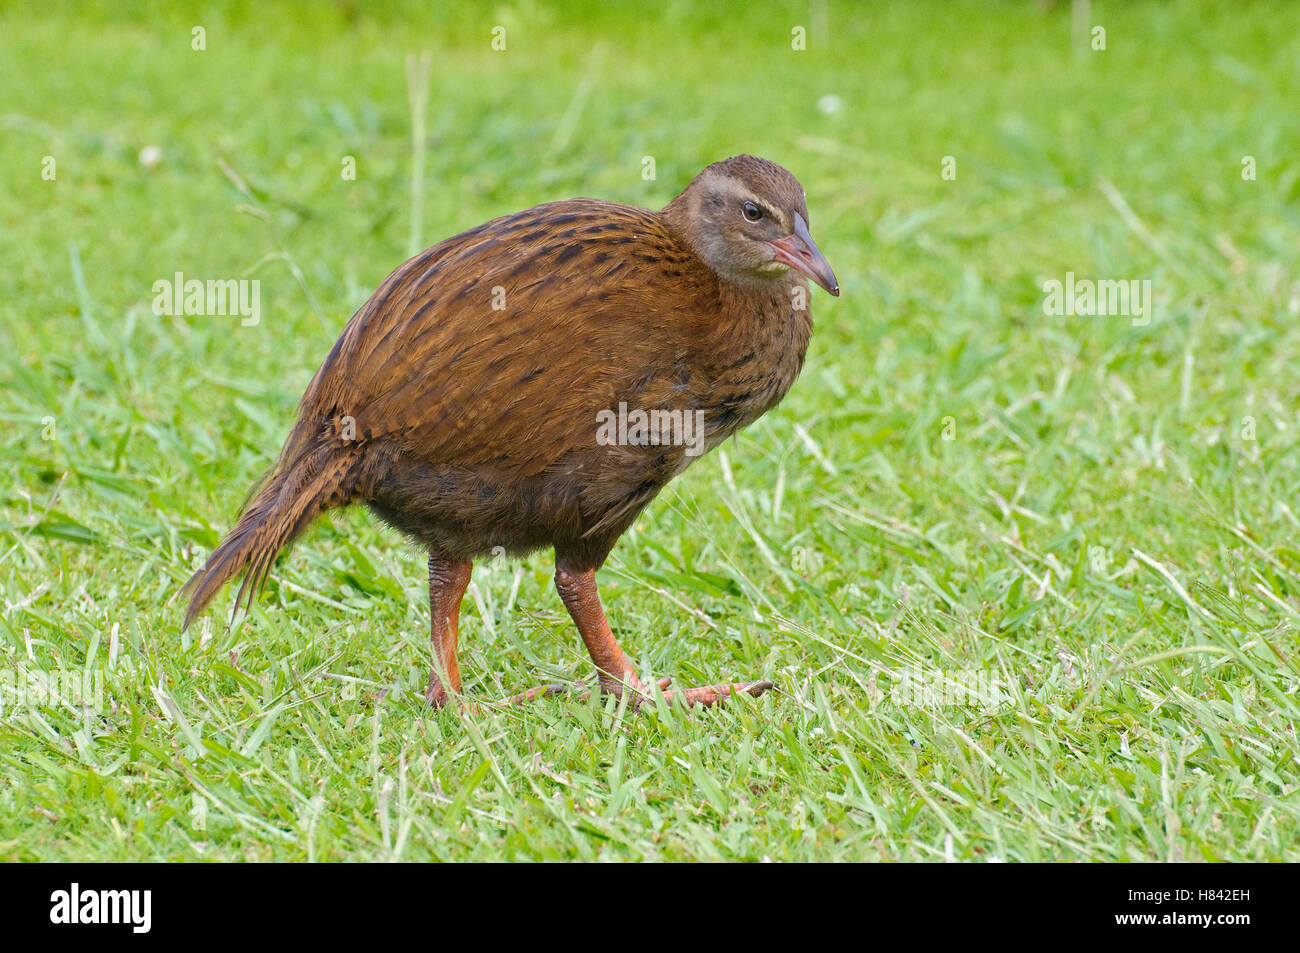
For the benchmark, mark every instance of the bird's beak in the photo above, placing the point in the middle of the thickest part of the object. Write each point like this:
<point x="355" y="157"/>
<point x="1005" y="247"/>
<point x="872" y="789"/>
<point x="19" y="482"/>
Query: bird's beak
<point x="801" y="253"/>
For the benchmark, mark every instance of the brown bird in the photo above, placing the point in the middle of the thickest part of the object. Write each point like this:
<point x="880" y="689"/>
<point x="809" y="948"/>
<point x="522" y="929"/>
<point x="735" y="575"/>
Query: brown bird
<point x="535" y="382"/>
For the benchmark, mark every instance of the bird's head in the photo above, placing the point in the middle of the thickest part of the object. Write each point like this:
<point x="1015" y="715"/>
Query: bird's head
<point x="747" y="218"/>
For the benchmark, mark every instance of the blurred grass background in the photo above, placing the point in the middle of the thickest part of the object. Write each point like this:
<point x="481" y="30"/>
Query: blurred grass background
<point x="1110" y="532"/>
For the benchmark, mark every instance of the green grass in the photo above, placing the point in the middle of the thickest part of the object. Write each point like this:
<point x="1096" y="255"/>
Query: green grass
<point x="1110" y="534"/>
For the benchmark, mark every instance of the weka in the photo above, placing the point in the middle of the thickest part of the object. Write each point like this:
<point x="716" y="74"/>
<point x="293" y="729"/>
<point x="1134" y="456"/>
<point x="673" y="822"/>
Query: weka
<point x="463" y="401"/>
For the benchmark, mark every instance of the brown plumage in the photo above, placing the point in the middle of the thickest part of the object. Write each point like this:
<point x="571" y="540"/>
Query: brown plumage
<point x="462" y="401"/>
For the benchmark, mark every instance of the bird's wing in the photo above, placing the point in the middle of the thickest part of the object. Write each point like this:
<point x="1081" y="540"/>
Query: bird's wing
<point x="499" y="346"/>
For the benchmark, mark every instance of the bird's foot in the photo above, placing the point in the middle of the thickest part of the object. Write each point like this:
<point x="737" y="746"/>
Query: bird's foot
<point x="710" y="695"/>
<point x="705" y="696"/>
<point x="437" y="696"/>
<point x="541" y="691"/>
<point x="545" y="691"/>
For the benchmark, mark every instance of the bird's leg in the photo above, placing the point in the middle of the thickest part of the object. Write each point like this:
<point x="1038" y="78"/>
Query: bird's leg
<point x="447" y="582"/>
<point x="613" y="671"/>
<point x="578" y="590"/>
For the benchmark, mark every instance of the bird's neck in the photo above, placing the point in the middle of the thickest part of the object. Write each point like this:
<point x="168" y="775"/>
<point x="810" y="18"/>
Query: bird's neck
<point x="753" y="347"/>
<point x="755" y="353"/>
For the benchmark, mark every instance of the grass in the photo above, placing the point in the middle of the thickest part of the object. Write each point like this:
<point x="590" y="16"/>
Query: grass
<point x="1088" y="520"/>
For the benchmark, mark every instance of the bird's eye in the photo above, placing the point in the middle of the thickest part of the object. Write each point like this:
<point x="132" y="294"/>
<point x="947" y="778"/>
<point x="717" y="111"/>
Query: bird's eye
<point x="751" y="212"/>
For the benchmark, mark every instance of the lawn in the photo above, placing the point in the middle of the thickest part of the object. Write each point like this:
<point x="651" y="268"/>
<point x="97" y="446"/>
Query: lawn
<point x="1027" y="582"/>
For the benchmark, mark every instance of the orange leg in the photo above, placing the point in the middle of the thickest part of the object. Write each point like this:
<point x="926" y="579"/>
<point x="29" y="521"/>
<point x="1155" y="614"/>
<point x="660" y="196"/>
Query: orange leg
<point x="447" y="583"/>
<point x="615" y="674"/>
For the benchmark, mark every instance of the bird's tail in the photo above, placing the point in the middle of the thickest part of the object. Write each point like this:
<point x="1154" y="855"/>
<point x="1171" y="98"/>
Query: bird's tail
<point x="291" y="498"/>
